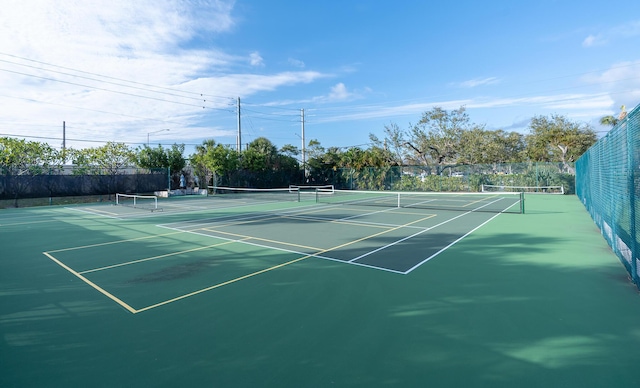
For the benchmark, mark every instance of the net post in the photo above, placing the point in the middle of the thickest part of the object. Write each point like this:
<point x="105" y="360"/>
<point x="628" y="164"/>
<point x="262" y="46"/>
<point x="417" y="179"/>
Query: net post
<point x="398" y="200"/>
<point x="522" y="202"/>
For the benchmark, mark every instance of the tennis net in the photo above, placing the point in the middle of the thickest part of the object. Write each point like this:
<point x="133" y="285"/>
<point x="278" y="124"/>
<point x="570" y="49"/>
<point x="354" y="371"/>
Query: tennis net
<point x="311" y="188"/>
<point x="524" y="189"/>
<point x="263" y="195"/>
<point x="149" y="202"/>
<point x="504" y="202"/>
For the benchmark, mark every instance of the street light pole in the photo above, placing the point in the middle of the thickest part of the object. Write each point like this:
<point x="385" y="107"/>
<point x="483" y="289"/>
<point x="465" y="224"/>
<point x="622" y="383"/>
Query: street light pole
<point x="149" y="133"/>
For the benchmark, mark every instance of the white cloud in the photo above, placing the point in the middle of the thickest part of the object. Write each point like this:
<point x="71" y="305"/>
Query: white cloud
<point x="296" y="63"/>
<point x="248" y="84"/>
<point x="617" y="33"/>
<point x="84" y="51"/>
<point x="590" y="41"/>
<point x="255" y="59"/>
<point x="621" y="82"/>
<point x="573" y="105"/>
<point x="479" y="82"/>
<point x="339" y="92"/>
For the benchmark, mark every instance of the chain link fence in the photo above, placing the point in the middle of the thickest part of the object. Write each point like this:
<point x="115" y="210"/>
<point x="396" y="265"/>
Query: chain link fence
<point x="467" y="178"/>
<point x="608" y="184"/>
<point x="70" y="181"/>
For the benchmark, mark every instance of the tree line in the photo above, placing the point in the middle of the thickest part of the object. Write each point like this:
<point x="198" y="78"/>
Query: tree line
<point x="441" y="140"/>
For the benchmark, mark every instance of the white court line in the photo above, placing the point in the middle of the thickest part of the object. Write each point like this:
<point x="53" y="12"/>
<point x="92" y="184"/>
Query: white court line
<point x="346" y="220"/>
<point x="408" y="237"/>
<point x="459" y="239"/>
<point x="241" y="241"/>
<point x="197" y="224"/>
<point x="450" y="245"/>
<point x="431" y="228"/>
<point x="353" y="261"/>
<point x="93" y="212"/>
<point x="207" y="221"/>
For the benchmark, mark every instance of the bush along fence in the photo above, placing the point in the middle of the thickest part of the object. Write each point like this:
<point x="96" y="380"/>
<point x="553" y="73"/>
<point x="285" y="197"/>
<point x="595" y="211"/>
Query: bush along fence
<point x="455" y="178"/>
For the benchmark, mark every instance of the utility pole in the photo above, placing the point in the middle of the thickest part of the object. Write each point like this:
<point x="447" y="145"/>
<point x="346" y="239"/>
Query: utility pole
<point x="239" y="136"/>
<point x="64" y="141"/>
<point x="304" y="156"/>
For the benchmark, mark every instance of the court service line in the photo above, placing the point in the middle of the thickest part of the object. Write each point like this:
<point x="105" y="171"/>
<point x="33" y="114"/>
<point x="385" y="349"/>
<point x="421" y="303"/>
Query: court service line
<point x="269" y="269"/>
<point x="408" y="237"/>
<point x="338" y="221"/>
<point x="368" y="214"/>
<point x="480" y="200"/>
<point x="316" y="255"/>
<point x="357" y="223"/>
<point x="260" y="217"/>
<point x="423" y="231"/>
<point x="450" y="245"/>
<point x="222" y="221"/>
<point x="154" y="257"/>
<point x="246" y="242"/>
<point x="90" y="283"/>
<point x="245" y="237"/>
<point x="207" y="221"/>
<point x="94" y="212"/>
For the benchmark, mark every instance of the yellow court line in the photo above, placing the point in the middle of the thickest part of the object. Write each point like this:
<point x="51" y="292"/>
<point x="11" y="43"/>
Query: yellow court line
<point x="409" y="213"/>
<point x="474" y="202"/>
<point x="89" y="282"/>
<point x="342" y="222"/>
<point x="245" y="237"/>
<point x="221" y="284"/>
<point x="118" y="241"/>
<point x="480" y="200"/>
<point x="214" y="225"/>
<point x="271" y="268"/>
<point x="155" y="257"/>
<point x="376" y="234"/>
<point x="134" y="311"/>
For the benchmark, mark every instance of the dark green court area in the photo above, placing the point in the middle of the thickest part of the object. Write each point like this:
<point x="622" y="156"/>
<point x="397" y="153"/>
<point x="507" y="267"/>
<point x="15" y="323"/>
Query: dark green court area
<point x="231" y="293"/>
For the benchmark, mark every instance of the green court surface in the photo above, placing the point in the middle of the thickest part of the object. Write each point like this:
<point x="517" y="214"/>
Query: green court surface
<point x="231" y="293"/>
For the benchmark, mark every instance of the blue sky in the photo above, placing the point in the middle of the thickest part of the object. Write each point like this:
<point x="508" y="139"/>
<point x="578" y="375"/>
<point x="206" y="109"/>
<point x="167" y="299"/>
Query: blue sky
<point x="122" y="70"/>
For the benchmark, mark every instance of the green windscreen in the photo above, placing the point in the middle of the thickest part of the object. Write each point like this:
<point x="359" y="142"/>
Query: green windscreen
<point x="608" y="184"/>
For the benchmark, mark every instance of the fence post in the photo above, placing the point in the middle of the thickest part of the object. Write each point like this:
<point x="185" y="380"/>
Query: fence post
<point x="631" y="167"/>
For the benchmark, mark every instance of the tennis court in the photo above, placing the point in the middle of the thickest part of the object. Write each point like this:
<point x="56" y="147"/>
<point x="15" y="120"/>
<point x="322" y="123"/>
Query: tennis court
<point x="261" y="234"/>
<point x="315" y="289"/>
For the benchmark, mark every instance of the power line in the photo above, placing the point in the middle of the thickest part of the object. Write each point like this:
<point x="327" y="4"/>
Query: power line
<point x="108" y="77"/>
<point x="89" y="140"/>
<point x="89" y="109"/>
<point x="108" y="90"/>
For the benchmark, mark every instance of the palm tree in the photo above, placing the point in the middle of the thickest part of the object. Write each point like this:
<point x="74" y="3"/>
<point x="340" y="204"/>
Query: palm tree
<point x="609" y="121"/>
<point x="612" y="121"/>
